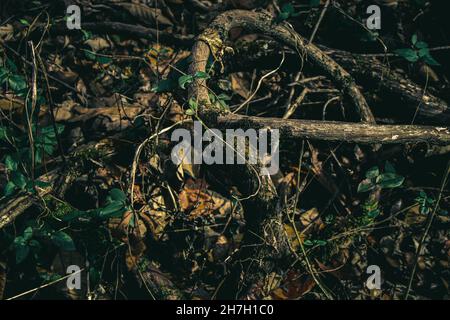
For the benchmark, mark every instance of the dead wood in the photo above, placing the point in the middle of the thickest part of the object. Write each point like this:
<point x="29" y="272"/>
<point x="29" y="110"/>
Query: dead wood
<point x="342" y="131"/>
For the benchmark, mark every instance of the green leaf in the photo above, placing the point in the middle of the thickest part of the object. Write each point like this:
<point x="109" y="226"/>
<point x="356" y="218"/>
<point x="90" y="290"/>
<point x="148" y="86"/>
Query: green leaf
<point x="63" y="241"/>
<point x="19" y="179"/>
<point x="189" y="112"/>
<point x="370" y="205"/>
<point x="366" y="185"/>
<point x="164" y="86"/>
<point x="9" y="189"/>
<point x="10" y="163"/>
<point x="321" y="242"/>
<point x="430" y="60"/>
<point x="28" y="233"/>
<point x="414" y="39"/>
<point x="408" y="54"/>
<point x="24" y="22"/>
<point x="282" y="16"/>
<point x="3" y="133"/>
<point x="86" y="35"/>
<point x="22" y="251"/>
<point x="90" y="55"/>
<point x="390" y="180"/>
<point x="73" y="215"/>
<point x="373" y="214"/>
<point x="193" y="105"/>
<point x="288" y="8"/>
<point x="223" y="96"/>
<point x="17" y="84"/>
<point x="421" y="45"/>
<point x="201" y="75"/>
<point x="115" y="208"/>
<point x="49" y="131"/>
<point x="94" y="275"/>
<point x="103" y="60"/>
<point x="389" y="168"/>
<point x="423" y="52"/>
<point x="49" y="148"/>
<point x="372" y="173"/>
<point x="117" y="195"/>
<point x="3" y="75"/>
<point x="184" y="80"/>
<point x="310" y="243"/>
<point x="11" y="66"/>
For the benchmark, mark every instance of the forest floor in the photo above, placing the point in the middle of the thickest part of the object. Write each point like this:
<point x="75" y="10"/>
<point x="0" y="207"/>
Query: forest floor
<point x="359" y="208"/>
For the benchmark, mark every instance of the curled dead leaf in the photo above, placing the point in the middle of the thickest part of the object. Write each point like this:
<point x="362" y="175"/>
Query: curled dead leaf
<point x="198" y="201"/>
<point x="98" y="44"/>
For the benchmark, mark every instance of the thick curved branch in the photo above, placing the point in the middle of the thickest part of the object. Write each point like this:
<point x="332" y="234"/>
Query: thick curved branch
<point x="217" y="33"/>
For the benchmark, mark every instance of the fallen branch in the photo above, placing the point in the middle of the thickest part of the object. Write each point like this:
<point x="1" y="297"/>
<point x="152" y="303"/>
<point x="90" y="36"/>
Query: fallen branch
<point x="342" y="131"/>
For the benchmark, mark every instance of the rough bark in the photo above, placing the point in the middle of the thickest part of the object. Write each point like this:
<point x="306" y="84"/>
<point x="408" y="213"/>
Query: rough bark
<point x="342" y="131"/>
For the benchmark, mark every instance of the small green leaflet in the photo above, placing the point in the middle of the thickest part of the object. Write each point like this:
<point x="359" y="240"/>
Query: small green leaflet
<point x="63" y="241"/>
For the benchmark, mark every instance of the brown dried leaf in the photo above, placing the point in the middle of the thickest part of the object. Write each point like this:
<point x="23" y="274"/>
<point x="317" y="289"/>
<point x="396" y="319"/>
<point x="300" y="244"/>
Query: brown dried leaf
<point x="312" y="216"/>
<point x="98" y="44"/>
<point x="7" y="32"/>
<point x="240" y="85"/>
<point x="293" y="237"/>
<point x="155" y="214"/>
<point x="197" y="200"/>
<point x="293" y="287"/>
